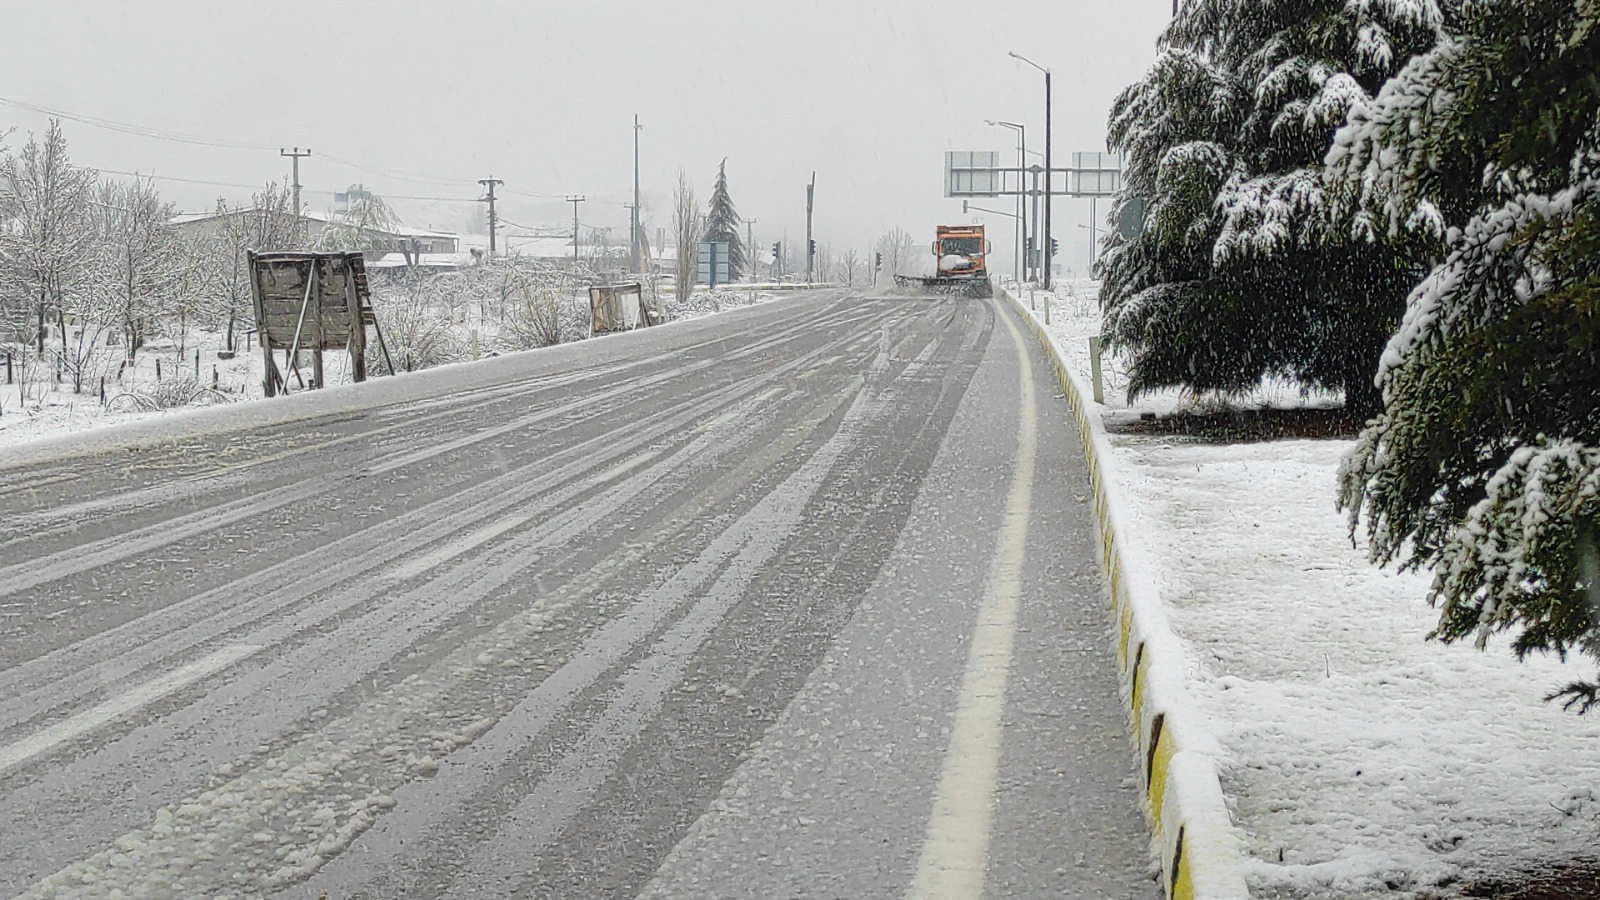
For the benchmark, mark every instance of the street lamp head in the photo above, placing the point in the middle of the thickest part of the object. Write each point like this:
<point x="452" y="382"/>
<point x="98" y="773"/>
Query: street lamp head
<point x="1015" y="55"/>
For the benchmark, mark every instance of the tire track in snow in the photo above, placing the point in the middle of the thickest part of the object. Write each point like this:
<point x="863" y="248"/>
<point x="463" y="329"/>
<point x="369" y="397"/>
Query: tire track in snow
<point x="186" y="723"/>
<point x="386" y="862"/>
<point x="295" y="673"/>
<point x="109" y="657"/>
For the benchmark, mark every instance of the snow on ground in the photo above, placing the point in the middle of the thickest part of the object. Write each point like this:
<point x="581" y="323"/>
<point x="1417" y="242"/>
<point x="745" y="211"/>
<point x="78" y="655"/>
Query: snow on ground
<point x="54" y="410"/>
<point x="1359" y="758"/>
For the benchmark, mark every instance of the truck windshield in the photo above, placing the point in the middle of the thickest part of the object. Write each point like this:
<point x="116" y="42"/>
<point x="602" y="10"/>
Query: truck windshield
<point x="965" y="246"/>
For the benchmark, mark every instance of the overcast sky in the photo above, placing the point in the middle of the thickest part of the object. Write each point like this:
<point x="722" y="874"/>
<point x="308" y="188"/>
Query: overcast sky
<point x="868" y="93"/>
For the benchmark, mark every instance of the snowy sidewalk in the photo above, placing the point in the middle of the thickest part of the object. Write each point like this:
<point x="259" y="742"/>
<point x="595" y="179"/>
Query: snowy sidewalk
<point x="1358" y="758"/>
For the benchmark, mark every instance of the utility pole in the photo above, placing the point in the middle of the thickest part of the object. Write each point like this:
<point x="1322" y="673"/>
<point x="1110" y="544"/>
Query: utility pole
<point x="575" y="199"/>
<point x="296" y="155"/>
<point x="634" y="231"/>
<point x="490" y="183"/>
<point x="811" y="190"/>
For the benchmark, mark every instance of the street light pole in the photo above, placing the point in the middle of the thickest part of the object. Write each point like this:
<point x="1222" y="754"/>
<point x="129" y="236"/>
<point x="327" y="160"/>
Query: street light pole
<point x="1049" y="179"/>
<point x="1022" y="199"/>
<point x="634" y="233"/>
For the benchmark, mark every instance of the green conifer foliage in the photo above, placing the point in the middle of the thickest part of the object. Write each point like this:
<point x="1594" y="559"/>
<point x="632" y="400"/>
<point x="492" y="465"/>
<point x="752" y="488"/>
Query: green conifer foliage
<point x="1241" y="272"/>
<point x="1485" y="464"/>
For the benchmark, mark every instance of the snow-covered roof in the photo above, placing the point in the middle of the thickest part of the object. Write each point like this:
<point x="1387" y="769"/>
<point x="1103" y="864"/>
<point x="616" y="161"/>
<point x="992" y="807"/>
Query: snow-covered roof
<point x="540" y="247"/>
<point x="325" y="218"/>
<point x="424" y="261"/>
<point x="186" y="218"/>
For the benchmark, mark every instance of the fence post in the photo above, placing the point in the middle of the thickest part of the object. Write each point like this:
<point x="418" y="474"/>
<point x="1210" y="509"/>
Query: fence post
<point x="102" y="390"/>
<point x="1094" y="369"/>
<point x="1047" y="309"/>
<point x="8" y="367"/>
<point x="158" y="370"/>
<point x="197" y="365"/>
<point x="213" y="377"/>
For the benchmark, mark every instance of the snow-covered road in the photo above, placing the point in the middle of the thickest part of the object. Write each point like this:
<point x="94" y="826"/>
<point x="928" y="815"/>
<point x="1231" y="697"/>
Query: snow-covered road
<point x="685" y="611"/>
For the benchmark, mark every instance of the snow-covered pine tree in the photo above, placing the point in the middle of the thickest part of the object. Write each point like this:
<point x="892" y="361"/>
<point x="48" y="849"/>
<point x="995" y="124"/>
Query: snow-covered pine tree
<point x="1239" y="274"/>
<point x="1485" y="464"/>
<point x="722" y="224"/>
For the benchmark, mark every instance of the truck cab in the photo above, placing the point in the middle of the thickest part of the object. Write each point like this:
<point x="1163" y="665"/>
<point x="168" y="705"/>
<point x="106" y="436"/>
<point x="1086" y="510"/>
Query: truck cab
<point x="961" y="252"/>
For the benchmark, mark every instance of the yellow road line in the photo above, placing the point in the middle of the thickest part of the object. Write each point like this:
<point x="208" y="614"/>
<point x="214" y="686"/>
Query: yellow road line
<point x="956" y="850"/>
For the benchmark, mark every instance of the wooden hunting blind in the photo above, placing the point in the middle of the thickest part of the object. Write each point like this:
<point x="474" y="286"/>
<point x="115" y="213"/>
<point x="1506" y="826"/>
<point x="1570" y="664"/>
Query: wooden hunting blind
<point x="311" y="302"/>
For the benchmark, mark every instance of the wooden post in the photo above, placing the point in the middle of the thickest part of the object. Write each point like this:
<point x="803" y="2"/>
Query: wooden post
<point x="316" y="329"/>
<point x="1094" y="370"/>
<point x="269" y="378"/>
<point x="102" y="390"/>
<point x="292" y="359"/>
<point x="158" y="370"/>
<point x="382" y="344"/>
<point x="357" y="343"/>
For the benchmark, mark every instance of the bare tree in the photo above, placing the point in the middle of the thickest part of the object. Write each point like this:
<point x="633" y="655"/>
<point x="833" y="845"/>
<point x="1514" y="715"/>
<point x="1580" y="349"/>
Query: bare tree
<point x="269" y="223"/>
<point x="687" y="226"/>
<point x="849" y="265"/>
<point x="899" y="252"/>
<point x="144" y="262"/>
<point x="824" y="261"/>
<point x="48" y="251"/>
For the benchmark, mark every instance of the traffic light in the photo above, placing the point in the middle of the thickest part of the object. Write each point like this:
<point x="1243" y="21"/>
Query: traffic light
<point x="1055" y="246"/>
<point x="813" y="250"/>
<point x="877" y="262"/>
<point x="777" y="250"/>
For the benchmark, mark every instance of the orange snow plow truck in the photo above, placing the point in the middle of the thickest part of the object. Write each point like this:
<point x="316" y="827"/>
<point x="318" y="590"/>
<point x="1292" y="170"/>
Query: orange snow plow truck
<point x="960" y="263"/>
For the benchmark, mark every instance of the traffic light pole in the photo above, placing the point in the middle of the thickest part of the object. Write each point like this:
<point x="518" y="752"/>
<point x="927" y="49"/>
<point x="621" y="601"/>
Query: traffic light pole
<point x="811" y="246"/>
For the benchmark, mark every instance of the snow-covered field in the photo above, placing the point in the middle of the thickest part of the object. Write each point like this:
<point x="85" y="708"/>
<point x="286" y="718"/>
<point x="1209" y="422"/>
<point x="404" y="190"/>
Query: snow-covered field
<point x="58" y="410"/>
<point x="1359" y="759"/>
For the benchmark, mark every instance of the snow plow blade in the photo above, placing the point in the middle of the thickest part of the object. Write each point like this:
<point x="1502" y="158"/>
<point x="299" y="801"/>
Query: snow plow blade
<point x="954" y="287"/>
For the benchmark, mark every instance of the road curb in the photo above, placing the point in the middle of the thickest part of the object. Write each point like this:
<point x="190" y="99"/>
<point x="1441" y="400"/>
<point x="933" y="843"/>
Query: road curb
<point x="1198" y="844"/>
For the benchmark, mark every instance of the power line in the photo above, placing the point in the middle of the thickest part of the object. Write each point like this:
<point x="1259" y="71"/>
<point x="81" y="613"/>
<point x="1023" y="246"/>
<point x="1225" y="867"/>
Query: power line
<point x="258" y="186"/>
<point x="397" y="174"/>
<point x="140" y="130"/>
<point x="181" y="137"/>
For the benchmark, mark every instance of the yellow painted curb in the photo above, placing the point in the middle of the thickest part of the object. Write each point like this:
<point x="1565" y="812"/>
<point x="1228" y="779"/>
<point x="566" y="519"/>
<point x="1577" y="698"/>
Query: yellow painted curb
<point x="1183" y="797"/>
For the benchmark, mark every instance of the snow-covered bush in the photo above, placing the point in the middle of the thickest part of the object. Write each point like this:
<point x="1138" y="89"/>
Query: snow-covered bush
<point x="542" y="315"/>
<point x="1485" y="464"/>
<point x="418" y="316"/>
